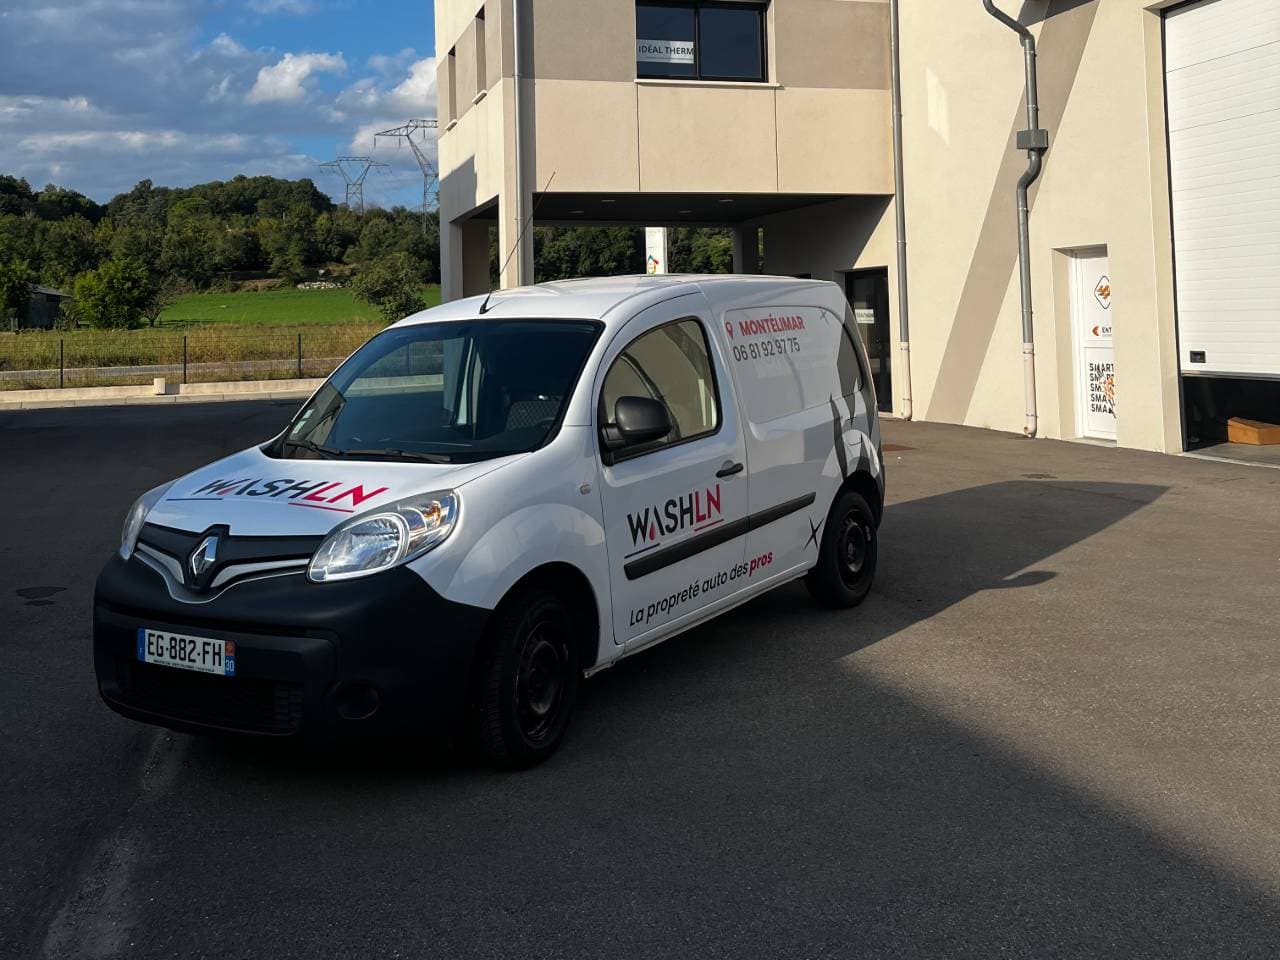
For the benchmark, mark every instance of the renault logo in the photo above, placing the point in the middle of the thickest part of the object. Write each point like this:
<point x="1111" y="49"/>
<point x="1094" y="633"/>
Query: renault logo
<point x="204" y="556"/>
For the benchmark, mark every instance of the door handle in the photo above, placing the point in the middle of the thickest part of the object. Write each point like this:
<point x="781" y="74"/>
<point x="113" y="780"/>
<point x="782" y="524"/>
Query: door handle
<point x="728" y="469"/>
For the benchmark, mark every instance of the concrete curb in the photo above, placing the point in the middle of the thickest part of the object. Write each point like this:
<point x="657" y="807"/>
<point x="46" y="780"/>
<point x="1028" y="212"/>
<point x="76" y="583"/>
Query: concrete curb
<point x="145" y="394"/>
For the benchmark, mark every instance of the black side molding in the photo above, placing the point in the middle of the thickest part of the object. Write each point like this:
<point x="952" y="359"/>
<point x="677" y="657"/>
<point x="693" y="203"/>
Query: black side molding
<point x="651" y="562"/>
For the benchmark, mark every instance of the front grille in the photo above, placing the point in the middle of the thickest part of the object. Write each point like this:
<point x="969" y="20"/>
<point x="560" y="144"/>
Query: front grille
<point x="238" y="703"/>
<point x="235" y="556"/>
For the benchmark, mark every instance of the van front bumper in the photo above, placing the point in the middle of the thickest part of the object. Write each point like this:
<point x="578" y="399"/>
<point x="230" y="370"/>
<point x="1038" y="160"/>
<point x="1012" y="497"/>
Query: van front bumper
<point x="380" y="652"/>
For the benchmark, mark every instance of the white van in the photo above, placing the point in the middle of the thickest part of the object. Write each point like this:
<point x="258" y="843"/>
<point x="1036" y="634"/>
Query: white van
<point x="490" y="500"/>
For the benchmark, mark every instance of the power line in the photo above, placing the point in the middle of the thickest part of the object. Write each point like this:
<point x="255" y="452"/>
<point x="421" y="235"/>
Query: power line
<point x="353" y="171"/>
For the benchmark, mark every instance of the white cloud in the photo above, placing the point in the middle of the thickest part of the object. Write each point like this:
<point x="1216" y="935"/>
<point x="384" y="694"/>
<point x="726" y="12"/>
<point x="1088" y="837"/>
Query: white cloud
<point x="98" y="94"/>
<point x="226" y="46"/>
<point x="389" y="65"/>
<point x="132" y="141"/>
<point x="72" y="110"/>
<point x="286" y="81"/>
<point x="414" y="96"/>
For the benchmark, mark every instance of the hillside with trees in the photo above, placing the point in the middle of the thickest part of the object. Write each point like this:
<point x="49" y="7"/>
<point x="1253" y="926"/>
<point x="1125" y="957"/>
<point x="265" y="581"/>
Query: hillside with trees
<point x="125" y="260"/>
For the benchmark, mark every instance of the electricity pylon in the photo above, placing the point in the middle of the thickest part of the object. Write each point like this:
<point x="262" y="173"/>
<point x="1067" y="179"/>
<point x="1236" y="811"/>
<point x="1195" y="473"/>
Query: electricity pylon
<point x="430" y="178"/>
<point x="353" y="171"/>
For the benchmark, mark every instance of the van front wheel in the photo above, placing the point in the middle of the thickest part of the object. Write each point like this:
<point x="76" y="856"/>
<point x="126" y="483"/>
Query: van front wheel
<point x="847" y="555"/>
<point x="528" y="680"/>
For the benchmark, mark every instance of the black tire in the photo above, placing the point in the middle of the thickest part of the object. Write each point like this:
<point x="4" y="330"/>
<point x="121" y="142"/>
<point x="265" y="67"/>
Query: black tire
<point x="847" y="555"/>
<point x="527" y="680"/>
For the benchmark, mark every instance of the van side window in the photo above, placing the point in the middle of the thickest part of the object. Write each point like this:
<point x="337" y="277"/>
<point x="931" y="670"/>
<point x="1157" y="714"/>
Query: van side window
<point x="849" y="357"/>
<point x="672" y="364"/>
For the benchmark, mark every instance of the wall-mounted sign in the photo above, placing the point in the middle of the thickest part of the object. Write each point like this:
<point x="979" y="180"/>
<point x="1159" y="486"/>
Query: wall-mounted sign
<point x="864" y="315"/>
<point x="664" y="51"/>
<point x="1102" y="390"/>
<point x="1102" y="290"/>
<point x="655" y="249"/>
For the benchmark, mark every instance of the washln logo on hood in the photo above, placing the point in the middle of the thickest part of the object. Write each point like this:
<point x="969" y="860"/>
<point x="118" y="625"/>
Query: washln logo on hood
<point x="339" y="496"/>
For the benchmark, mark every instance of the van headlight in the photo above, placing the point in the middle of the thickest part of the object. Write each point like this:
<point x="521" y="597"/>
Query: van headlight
<point x="137" y="516"/>
<point x="393" y="535"/>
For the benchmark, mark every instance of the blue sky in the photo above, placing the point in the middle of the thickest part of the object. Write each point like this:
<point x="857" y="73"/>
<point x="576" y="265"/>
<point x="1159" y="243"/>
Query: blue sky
<point x="98" y="94"/>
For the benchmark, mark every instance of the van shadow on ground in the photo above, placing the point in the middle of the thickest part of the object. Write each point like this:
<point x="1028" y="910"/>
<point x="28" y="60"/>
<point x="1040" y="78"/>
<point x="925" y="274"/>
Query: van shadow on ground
<point x="739" y="792"/>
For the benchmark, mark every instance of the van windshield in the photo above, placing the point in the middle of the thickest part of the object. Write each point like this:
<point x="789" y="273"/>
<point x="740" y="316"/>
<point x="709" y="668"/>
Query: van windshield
<point x="445" y="393"/>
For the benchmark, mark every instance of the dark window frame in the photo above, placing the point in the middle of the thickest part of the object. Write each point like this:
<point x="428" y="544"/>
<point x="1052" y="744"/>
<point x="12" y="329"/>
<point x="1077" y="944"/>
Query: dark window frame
<point x="482" y="70"/>
<point x="762" y="10"/>
<point x="611" y="457"/>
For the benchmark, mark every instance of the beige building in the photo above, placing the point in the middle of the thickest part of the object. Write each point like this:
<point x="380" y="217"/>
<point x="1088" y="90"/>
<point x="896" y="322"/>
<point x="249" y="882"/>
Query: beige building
<point x="1154" y="227"/>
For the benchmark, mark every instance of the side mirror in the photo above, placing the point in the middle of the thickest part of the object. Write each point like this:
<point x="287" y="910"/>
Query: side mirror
<point x="638" y="420"/>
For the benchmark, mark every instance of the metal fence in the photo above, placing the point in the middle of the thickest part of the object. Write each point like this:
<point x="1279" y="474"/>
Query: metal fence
<point x="96" y="359"/>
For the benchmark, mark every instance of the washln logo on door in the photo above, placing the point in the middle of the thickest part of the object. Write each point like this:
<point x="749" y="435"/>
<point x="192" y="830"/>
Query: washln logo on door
<point x="697" y="510"/>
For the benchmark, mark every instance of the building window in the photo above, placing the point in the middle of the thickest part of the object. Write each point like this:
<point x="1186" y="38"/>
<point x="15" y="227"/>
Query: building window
<point x="700" y="40"/>
<point x="482" y="80"/>
<point x="451" y="74"/>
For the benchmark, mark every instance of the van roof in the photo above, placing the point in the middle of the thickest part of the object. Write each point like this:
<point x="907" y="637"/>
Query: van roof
<point x="596" y="298"/>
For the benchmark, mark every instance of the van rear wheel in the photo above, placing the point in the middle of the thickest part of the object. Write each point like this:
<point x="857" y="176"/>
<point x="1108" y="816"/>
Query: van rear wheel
<point x="528" y="680"/>
<point x="847" y="555"/>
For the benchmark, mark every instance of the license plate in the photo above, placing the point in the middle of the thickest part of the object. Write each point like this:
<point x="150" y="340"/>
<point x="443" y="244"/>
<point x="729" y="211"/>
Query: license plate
<point x="202" y="654"/>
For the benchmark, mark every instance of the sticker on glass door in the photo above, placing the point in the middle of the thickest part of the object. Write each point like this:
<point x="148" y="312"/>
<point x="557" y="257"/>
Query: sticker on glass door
<point x="1095" y="365"/>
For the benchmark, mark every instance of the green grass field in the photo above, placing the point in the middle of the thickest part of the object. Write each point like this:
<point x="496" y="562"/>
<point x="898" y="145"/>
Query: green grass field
<point x="220" y="336"/>
<point x="278" y="307"/>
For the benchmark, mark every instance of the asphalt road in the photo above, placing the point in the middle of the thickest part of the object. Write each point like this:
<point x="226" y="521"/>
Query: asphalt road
<point x="1050" y="732"/>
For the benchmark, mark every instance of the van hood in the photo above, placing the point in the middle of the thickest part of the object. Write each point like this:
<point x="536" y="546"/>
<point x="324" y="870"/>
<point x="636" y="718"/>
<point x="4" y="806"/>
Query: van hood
<point x="256" y="495"/>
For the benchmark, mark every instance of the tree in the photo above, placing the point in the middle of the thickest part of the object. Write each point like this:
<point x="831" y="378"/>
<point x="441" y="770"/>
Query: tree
<point x="289" y="262"/>
<point x="58" y="203"/>
<point x="163" y="293"/>
<point x="132" y="240"/>
<point x="239" y="249"/>
<point x="561" y="252"/>
<point x="115" y="296"/>
<point x="15" y="195"/>
<point x="190" y="250"/>
<point x="392" y="285"/>
<point x="16" y="279"/>
<point x="699" y="250"/>
<point x="67" y="248"/>
<point x="377" y="239"/>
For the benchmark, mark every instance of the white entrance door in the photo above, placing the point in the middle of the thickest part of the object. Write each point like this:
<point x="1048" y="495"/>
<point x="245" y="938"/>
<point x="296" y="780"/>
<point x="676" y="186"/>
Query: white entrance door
<point x="1095" y="364"/>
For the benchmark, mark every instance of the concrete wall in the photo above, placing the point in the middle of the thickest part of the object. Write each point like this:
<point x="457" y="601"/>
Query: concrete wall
<point x="1104" y="184"/>
<point x="820" y="125"/>
<point x="598" y="128"/>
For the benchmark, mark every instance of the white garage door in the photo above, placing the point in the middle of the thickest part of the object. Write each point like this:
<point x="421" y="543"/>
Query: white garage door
<point x="1222" y="62"/>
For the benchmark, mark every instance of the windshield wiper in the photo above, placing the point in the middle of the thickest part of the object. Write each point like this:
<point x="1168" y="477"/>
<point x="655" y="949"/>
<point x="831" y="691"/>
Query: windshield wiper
<point x="314" y="447"/>
<point x="400" y="455"/>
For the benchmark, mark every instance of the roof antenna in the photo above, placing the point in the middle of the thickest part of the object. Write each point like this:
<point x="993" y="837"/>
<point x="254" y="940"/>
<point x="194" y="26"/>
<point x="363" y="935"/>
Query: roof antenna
<point x="484" y="307"/>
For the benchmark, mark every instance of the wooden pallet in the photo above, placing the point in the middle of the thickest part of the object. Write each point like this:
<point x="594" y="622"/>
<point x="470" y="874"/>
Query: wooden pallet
<point x="1240" y="430"/>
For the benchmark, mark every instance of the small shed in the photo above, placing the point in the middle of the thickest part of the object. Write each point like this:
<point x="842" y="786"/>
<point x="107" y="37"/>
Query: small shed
<point x="43" y="310"/>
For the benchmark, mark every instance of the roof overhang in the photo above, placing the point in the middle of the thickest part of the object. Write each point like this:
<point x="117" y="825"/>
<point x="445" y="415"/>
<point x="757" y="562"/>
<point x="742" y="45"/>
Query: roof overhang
<point x="664" y="209"/>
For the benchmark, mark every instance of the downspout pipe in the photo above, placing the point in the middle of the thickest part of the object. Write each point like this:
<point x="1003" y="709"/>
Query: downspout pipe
<point x="517" y="27"/>
<point x="900" y="208"/>
<point x="1035" y="142"/>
